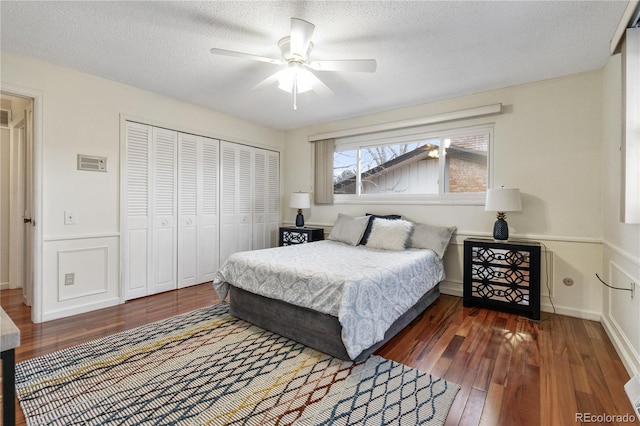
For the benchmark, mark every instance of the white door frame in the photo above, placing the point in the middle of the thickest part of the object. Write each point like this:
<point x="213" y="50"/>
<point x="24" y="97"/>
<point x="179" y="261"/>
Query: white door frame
<point x="37" y="195"/>
<point x="17" y="165"/>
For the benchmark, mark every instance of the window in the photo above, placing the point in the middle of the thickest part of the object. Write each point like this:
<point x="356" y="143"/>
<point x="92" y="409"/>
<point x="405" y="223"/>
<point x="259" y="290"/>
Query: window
<point x="394" y="165"/>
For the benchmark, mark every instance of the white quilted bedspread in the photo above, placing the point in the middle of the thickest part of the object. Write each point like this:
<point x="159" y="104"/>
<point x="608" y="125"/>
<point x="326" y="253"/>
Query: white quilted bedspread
<point x="367" y="289"/>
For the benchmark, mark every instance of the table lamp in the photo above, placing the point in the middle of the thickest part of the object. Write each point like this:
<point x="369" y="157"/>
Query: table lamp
<point x="502" y="200"/>
<point x="300" y="200"/>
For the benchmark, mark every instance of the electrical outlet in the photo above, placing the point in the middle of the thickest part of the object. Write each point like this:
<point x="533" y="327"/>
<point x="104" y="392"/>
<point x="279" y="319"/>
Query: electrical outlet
<point x="633" y="290"/>
<point x="69" y="278"/>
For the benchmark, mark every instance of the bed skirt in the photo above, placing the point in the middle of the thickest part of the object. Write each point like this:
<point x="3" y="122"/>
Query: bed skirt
<point x="311" y="328"/>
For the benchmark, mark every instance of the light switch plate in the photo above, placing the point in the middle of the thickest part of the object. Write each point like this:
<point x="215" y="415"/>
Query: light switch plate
<point x="70" y="217"/>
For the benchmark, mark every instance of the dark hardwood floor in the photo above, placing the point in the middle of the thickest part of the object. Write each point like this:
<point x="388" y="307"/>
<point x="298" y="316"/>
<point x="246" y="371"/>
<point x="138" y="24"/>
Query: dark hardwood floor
<point x="511" y="371"/>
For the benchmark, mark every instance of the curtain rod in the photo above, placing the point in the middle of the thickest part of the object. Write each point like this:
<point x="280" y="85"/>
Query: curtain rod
<point x="438" y="118"/>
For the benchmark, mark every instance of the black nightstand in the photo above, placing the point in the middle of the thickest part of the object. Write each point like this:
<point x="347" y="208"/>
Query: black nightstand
<point x="502" y="275"/>
<point x="290" y="235"/>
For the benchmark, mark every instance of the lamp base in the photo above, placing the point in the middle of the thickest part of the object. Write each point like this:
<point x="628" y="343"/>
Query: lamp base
<point x="300" y="219"/>
<point x="500" y="230"/>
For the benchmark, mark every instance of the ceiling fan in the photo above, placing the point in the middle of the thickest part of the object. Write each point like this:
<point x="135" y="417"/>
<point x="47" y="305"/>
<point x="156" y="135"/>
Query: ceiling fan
<point x="297" y="76"/>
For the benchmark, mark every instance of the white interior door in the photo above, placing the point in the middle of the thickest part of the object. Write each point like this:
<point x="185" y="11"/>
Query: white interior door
<point x="187" y="209"/>
<point x="17" y="227"/>
<point x="260" y="230"/>
<point x="164" y="211"/>
<point x="197" y="209"/>
<point x="266" y="198"/>
<point x="28" y="217"/>
<point x="137" y="239"/>
<point x="26" y="175"/>
<point x="237" y="198"/>
<point x="273" y="198"/>
<point x="208" y="219"/>
<point x="228" y="217"/>
<point x="19" y="197"/>
<point x="245" y="198"/>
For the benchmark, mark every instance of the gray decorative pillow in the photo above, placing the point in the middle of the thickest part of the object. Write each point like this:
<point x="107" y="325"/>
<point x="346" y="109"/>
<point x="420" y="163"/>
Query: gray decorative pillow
<point x="348" y="229"/>
<point x="431" y="237"/>
<point x="389" y="234"/>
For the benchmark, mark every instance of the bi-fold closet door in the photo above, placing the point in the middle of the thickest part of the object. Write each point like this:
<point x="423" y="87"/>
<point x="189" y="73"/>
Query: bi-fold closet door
<point x="249" y="207"/>
<point x="171" y="207"/>
<point x="197" y="209"/>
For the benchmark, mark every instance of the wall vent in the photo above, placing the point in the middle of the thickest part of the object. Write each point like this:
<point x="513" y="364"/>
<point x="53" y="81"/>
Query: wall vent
<point x="5" y="118"/>
<point x="91" y="163"/>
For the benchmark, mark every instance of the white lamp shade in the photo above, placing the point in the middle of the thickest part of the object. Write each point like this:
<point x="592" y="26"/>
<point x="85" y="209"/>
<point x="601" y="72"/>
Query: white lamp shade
<point x="300" y="200"/>
<point x="503" y="200"/>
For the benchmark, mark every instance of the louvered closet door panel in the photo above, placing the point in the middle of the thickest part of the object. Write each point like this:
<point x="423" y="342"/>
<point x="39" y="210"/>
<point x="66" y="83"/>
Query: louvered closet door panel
<point x="136" y="253"/>
<point x="208" y="235"/>
<point x="228" y="194"/>
<point x="272" y="199"/>
<point x="164" y="260"/>
<point x="260" y="230"/>
<point x="187" y="209"/>
<point x="245" y="196"/>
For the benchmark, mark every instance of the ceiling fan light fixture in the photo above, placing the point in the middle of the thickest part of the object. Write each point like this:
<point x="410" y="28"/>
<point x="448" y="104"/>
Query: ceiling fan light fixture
<point x="295" y="78"/>
<point x="298" y="76"/>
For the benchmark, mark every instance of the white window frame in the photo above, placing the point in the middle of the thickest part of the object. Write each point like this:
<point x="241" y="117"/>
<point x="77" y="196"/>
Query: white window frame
<point x="411" y="134"/>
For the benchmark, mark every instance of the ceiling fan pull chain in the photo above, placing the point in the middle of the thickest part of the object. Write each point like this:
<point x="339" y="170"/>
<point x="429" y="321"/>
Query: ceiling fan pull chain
<point x="295" y="91"/>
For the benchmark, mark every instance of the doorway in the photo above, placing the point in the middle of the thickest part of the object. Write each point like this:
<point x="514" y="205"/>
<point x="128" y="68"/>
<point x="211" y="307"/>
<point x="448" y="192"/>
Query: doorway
<point x="16" y="202"/>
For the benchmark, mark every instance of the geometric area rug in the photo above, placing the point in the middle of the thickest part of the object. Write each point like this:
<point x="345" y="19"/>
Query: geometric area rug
<point x="208" y="368"/>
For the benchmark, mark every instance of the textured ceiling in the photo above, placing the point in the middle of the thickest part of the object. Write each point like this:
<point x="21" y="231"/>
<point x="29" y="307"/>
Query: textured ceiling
<point x="425" y="50"/>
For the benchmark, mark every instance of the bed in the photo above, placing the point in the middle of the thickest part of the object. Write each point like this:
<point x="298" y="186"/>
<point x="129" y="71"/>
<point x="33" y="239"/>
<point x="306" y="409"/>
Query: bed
<point x="340" y="298"/>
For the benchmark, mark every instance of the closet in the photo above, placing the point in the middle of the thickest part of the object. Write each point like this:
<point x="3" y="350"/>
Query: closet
<point x="249" y="215"/>
<point x="188" y="203"/>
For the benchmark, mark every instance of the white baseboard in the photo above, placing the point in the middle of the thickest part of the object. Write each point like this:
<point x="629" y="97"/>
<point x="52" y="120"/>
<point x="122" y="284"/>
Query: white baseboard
<point x="454" y="288"/>
<point x="62" y="313"/>
<point x="630" y="358"/>
<point x="4" y="286"/>
<point x="571" y="312"/>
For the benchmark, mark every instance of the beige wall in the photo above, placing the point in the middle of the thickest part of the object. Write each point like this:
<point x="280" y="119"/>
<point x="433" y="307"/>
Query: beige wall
<point x="547" y="143"/>
<point x="621" y="252"/>
<point x="81" y="114"/>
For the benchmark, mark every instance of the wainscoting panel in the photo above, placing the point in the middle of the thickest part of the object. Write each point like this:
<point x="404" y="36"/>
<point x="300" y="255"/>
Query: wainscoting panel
<point x="621" y="312"/>
<point x="80" y="275"/>
<point x="86" y="268"/>
<point x="624" y="311"/>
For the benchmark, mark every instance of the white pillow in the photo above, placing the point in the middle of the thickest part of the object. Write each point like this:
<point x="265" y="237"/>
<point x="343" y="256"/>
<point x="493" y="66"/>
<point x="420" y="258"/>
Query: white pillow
<point x="389" y="234"/>
<point x="348" y="229"/>
<point x="431" y="237"/>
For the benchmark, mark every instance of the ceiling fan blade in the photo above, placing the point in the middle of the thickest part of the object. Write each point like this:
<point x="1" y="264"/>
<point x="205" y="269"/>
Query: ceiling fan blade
<point x="357" y="65"/>
<point x="318" y="86"/>
<point x="301" y="32"/>
<point x="224" y="52"/>
<point x="273" y="78"/>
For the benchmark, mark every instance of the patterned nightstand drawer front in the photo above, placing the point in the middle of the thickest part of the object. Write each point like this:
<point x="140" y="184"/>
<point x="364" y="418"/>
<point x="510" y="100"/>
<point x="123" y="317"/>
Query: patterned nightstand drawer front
<point x="502" y="275"/>
<point x="293" y="235"/>
<point x="289" y="237"/>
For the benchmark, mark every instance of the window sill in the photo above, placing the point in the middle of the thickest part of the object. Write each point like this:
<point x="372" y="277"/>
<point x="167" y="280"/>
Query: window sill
<point x="440" y="200"/>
